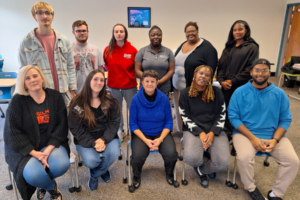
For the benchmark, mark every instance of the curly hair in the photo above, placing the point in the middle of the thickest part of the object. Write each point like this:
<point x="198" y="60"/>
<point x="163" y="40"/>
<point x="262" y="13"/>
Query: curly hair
<point x="208" y="94"/>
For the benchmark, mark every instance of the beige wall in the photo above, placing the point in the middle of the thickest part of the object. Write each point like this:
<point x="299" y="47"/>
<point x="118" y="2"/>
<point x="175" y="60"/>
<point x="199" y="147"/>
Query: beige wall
<point x="214" y="19"/>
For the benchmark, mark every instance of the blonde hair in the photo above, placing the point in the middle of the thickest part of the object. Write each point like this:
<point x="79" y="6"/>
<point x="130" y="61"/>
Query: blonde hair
<point x="41" y="5"/>
<point x="208" y="93"/>
<point x="20" y="87"/>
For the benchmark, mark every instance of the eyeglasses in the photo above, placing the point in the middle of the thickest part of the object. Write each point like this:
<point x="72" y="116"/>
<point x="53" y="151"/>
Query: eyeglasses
<point x="42" y="13"/>
<point x="193" y="31"/>
<point x="263" y="70"/>
<point x="81" y="31"/>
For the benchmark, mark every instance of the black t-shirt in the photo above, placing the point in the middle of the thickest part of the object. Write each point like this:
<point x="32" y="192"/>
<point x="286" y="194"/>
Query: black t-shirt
<point x="42" y="115"/>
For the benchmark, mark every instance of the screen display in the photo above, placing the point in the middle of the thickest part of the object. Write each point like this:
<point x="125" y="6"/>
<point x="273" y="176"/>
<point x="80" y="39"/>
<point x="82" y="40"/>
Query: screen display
<point x="139" y="17"/>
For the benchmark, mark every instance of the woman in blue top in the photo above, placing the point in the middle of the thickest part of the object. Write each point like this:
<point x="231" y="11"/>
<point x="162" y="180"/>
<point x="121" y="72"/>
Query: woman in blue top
<point x="150" y="124"/>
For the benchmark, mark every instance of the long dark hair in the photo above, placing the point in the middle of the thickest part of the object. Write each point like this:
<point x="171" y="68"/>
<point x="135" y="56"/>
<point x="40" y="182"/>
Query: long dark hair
<point x="112" y="41"/>
<point x="83" y="101"/>
<point x="231" y="41"/>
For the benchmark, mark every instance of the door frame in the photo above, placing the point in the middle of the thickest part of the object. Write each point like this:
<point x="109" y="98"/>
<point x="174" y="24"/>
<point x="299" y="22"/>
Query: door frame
<point x="284" y="36"/>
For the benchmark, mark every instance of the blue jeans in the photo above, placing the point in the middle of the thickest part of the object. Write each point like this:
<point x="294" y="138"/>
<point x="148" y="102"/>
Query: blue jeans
<point x="35" y="174"/>
<point x="99" y="162"/>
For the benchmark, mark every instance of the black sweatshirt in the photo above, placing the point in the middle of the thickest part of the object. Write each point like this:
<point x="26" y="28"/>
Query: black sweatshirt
<point x="106" y="130"/>
<point x="204" y="54"/>
<point x="198" y="116"/>
<point x="235" y="63"/>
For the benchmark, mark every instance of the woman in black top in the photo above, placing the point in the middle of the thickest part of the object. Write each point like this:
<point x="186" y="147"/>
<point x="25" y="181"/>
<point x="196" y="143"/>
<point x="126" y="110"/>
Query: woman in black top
<point x="94" y="121"/>
<point x="235" y="62"/>
<point x="35" y="135"/>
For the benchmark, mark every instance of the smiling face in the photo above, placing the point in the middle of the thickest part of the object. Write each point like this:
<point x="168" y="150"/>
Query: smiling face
<point x="81" y="33"/>
<point x="97" y="83"/>
<point x="33" y="81"/>
<point x="155" y="37"/>
<point x="191" y="34"/>
<point x="260" y="74"/>
<point x="119" y="34"/>
<point x="44" y="17"/>
<point x="239" y="31"/>
<point x="149" y="84"/>
<point x="203" y="77"/>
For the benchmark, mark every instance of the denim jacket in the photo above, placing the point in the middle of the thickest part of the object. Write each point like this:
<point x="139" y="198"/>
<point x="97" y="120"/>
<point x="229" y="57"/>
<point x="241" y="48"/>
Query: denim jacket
<point x="31" y="52"/>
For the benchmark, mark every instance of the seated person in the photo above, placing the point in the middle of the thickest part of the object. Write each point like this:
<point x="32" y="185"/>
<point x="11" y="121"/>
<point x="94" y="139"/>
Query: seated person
<point x="202" y="109"/>
<point x="260" y="114"/>
<point x="35" y="135"/>
<point x="94" y="121"/>
<point x="151" y="123"/>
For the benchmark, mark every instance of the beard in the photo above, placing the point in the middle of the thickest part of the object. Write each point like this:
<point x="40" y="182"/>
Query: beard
<point x="260" y="82"/>
<point x="82" y="41"/>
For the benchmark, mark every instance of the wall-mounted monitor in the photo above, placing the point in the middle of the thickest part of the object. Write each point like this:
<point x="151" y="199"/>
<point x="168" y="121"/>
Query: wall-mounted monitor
<point x="139" y="17"/>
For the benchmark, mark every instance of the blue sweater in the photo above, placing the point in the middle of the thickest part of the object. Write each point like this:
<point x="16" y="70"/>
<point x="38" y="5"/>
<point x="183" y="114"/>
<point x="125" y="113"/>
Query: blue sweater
<point x="150" y="117"/>
<point x="262" y="112"/>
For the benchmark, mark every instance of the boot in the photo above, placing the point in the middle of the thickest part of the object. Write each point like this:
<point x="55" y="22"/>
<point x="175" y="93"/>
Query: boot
<point x="55" y="193"/>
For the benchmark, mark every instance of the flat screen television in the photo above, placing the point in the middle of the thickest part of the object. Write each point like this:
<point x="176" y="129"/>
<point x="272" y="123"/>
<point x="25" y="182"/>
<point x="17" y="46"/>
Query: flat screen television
<point x="139" y="17"/>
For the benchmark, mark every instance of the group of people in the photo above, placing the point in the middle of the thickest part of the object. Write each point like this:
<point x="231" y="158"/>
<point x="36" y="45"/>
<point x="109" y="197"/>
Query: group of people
<point x="61" y="89"/>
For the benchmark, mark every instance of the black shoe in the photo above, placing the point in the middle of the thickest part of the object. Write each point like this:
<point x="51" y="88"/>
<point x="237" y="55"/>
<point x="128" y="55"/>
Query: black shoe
<point x="256" y="195"/>
<point x="40" y="193"/>
<point x="170" y="179"/>
<point x="136" y="182"/>
<point x="273" y="198"/>
<point x="212" y="175"/>
<point x="55" y="194"/>
<point x="203" y="181"/>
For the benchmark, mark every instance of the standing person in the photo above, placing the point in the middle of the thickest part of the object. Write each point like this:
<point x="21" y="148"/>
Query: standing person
<point x="119" y="60"/>
<point x="94" y="120"/>
<point x="51" y="52"/>
<point x="194" y="52"/>
<point x="260" y="127"/>
<point x="87" y="56"/>
<point x="151" y="124"/>
<point x="202" y="109"/>
<point x="235" y="62"/>
<point x="35" y="135"/>
<point x="156" y="57"/>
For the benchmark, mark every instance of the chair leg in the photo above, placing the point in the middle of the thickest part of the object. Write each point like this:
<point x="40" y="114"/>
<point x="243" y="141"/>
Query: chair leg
<point x="130" y="182"/>
<point x="124" y="166"/>
<point x="228" y="182"/>
<point x="183" y="181"/>
<point x="234" y="185"/>
<point x="13" y="185"/>
<point x="2" y="113"/>
<point x="176" y="184"/>
<point x="9" y="185"/>
<point x="266" y="162"/>
<point x="279" y="79"/>
<point x="179" y="153"/>
<point x="78" y="187"/>
<point x="72" y="188"/>
<point x="120" y="154"/>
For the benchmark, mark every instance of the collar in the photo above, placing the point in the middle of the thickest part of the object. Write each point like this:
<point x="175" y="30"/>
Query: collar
<point x="32" y="35"/>
<point x="161" y="49"/>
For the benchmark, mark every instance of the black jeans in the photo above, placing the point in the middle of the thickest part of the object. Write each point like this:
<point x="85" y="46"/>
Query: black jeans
<point x="140" y="152"/>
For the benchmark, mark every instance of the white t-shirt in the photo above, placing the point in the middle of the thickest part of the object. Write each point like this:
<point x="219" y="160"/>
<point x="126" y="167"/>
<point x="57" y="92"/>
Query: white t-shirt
<point x="87" y="58"/>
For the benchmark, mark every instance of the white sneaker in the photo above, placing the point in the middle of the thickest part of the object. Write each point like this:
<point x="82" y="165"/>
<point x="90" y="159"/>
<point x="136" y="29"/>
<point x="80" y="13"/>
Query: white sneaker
<point x="72" y="158"/>
<point x="122" y="134"/>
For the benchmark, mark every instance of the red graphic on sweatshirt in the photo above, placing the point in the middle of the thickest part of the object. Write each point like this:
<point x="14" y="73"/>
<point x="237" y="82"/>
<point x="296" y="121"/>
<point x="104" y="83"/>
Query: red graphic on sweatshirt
<point x="43" y="117"/>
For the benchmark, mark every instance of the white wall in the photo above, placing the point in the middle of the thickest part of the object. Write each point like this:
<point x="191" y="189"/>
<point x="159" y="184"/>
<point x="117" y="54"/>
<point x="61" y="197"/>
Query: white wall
<point x="214" y="19"/>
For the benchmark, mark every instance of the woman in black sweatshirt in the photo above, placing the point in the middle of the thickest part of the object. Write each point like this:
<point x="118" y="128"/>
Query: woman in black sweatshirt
<point x="94" y="121"/>
<point x="235" y="62"/>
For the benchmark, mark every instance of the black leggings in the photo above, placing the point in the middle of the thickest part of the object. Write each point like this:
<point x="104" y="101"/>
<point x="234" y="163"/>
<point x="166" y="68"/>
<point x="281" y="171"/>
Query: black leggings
<point x="140" y="152"/>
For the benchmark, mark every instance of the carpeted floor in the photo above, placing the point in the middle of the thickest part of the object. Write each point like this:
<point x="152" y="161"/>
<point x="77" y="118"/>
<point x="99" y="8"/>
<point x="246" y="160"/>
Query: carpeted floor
<point x="154" y="185"/>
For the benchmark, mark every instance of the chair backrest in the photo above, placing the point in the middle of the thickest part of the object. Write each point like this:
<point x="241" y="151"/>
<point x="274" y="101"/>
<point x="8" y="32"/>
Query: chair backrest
<point x="262" y="154"/>
<point x="1" y="63"/>
<point x="7" y="85"/>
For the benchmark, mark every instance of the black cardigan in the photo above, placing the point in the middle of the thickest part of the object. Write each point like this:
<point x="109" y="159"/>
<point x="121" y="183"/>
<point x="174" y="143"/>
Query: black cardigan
<point x="204" y="54"/>
<point x="106" y="130"/>
<point x="235" y="63"/>
<point x="21" y="133"/>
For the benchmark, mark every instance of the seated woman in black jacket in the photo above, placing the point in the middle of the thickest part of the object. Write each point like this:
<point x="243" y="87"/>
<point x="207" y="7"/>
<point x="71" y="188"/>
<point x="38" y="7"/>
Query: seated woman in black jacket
<point x="35" y="135"/>
<point x="94" y="121"/>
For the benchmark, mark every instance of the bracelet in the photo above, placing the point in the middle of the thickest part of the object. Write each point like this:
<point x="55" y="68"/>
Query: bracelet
<point x="161" y="140"/>
<point x="276" y="140"/>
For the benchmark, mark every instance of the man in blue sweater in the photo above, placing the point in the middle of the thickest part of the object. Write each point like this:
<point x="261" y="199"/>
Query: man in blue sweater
<point x="260" y="115"/>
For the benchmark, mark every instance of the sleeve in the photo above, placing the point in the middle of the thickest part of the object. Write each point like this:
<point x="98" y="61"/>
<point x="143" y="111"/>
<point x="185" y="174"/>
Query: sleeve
<point x="186" y="117"/>
<point x="80" y="132"/>
<point x="22" y="55"/>
<point x="100" y="58"/>
<point x="168" y="115"/>
<point x="212" y="58"/>
<point x="221" y="75"/>
<point x="14" y="137"/>
<point x="139" y="56"/>
<point x="71" y="68"/>
<point x="133" y="116"/>
<point x="220" y="117"/>
<point x="171" y="56"/>
<point x="60" y="132"/>
<point x="244" y="75"/>
<point x="234" y="111"/>
<point x="285" y="116"/>
<point x="113" y="123"/>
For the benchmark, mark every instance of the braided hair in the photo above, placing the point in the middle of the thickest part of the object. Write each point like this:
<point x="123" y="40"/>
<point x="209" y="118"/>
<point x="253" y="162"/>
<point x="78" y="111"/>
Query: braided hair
<point x="208" y="94"/>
